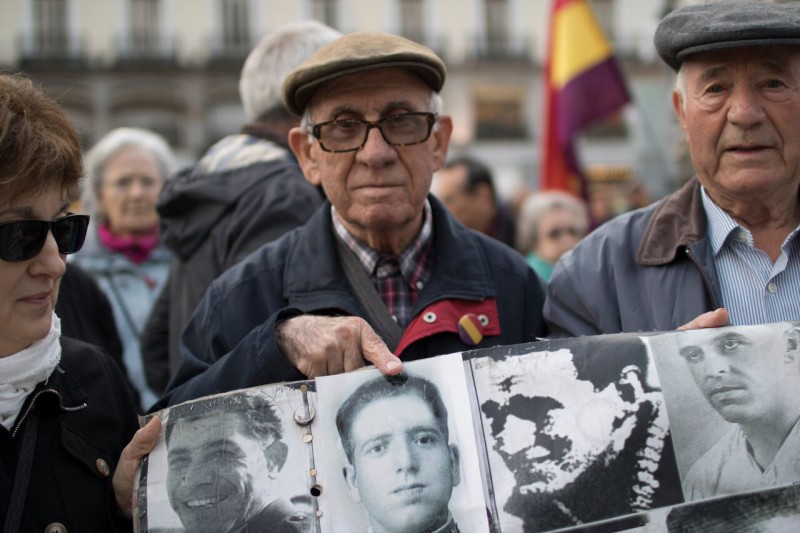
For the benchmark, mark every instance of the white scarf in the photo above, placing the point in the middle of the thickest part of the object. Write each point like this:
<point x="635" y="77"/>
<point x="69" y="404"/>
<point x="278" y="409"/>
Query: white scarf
<point x="19" y="373"/>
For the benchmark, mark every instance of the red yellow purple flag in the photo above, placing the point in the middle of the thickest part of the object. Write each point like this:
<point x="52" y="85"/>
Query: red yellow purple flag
<point x="583" y="84"/>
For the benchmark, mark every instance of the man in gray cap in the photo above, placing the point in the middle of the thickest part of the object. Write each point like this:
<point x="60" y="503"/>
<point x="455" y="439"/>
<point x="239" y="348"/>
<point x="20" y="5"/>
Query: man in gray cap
<point x="729" y="237"/>
<point x="383" y="255"/>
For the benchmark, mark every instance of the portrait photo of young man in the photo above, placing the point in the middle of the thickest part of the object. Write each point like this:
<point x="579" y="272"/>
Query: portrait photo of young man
<point x="734" y="406"/>
<point x="397" y="454"/>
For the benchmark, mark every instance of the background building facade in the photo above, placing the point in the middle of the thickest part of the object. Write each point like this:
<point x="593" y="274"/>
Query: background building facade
<point x="173" y="66"/>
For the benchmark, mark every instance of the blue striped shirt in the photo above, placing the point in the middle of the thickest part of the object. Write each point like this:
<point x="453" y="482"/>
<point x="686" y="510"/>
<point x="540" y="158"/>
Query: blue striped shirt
<point x="754" y="289"/>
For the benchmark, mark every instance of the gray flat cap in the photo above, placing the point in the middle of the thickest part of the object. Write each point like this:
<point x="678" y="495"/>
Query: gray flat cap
<point x="719" y="26"/>
<point x="358" y="52"/>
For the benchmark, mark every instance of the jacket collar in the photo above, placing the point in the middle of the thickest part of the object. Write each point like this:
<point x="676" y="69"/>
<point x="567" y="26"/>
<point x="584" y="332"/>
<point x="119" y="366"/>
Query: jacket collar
<point x="60" y="391"/>
<point x="459" y="264"/>
<point x="678" y="221"/>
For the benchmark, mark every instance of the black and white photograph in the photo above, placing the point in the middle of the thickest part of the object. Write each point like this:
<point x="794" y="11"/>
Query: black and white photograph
<point x="775" y="510"/>
<point x="398" y="454"/>
<point x="231" y="463"/>
<point x="576" y="432"/>
<point x="734" y="408"/>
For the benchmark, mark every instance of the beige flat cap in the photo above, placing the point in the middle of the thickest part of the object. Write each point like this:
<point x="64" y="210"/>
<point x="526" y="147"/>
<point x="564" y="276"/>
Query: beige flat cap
<point x="359" y="52"/>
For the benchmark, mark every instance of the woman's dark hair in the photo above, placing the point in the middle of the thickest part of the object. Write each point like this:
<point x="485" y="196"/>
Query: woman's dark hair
<point x="39" y="146"/>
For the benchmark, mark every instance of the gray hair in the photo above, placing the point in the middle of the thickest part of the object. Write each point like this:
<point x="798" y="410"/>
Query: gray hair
<point x="275" y="55"/>
<point x="534" y="208"/>
<point x="111" y="143"/>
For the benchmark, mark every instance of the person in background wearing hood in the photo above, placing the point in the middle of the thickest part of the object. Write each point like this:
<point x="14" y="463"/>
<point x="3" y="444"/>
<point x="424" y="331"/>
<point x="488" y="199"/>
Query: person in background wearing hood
<point x="126" y="171"/>
<point x="246" y="190"/>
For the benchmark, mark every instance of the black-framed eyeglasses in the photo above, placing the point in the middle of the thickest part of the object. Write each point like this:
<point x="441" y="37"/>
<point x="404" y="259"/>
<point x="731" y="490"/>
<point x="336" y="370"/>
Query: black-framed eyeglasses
<point x="349" y="135"/>
<point x="21" y="240"/>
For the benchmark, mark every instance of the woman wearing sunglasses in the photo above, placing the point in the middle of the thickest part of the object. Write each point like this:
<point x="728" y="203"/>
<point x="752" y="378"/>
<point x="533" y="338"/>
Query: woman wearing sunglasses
<point x="549" y="224"/>
<point x="65" y="413"/>
<point x="126" y="170"/>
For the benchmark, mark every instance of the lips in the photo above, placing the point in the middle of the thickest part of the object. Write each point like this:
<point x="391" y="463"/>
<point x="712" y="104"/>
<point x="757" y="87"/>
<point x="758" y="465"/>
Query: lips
<point x="38" y="298"/>
<point x="201" y="502"/>
<point x="411" y="490"/>
<point x="727" y="394"/>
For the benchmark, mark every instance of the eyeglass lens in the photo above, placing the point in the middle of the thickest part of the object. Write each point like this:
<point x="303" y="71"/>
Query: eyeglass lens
<point x="397" y="130"/>
<point x="24" y="239"/>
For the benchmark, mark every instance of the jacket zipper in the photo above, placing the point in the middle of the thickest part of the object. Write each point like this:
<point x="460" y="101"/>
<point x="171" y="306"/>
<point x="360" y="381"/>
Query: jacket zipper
<point x="33" y="402"/>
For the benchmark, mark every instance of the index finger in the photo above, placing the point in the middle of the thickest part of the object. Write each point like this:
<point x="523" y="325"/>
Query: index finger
<point x="376" y="352"/>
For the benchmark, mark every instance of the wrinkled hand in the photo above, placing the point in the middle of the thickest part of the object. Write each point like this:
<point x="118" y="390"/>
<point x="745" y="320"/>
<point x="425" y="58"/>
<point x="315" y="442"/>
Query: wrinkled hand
<point x="712" y="319"/>
<point x="323" y="345"/>
<point x="140" y="445"/>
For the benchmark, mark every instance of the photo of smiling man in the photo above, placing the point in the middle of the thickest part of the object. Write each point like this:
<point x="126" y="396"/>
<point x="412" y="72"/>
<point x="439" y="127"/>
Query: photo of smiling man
<point x="747" y="436"/>
<point x="402" y="460"/>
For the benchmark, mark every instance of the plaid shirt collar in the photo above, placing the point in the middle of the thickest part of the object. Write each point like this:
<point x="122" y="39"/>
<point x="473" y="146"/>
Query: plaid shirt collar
<point x="414" y="264"/>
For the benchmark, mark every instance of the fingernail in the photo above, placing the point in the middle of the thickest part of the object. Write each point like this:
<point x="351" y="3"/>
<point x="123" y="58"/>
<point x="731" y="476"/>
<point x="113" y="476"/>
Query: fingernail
<point x="393" y="365"/>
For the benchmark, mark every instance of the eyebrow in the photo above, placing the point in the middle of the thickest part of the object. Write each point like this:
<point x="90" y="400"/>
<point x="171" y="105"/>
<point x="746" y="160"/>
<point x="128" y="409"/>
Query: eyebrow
<point x="771" y="66"/>
<point x="433" y="428"/>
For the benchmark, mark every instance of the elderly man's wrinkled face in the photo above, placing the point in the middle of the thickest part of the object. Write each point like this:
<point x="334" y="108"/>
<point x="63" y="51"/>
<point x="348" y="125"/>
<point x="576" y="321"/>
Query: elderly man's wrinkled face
<point x="740" y="114"/>
<point x="379" y="189"/>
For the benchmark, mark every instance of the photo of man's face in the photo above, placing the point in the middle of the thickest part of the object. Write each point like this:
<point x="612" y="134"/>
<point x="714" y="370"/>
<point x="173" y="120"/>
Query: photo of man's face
<point x="549" y="438"/>
<point x="741" y="381"/>
<point x="217" y="474"/>
<point x="403" y="469"/>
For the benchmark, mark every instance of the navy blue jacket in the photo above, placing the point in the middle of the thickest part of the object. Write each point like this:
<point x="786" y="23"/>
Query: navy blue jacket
<point x="230" y="341"/>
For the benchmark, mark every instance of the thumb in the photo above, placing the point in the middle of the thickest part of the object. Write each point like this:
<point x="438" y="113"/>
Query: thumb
<point x="376" y="352"/>
<point x="712" y="319"/>
<point x="142" y="443"/>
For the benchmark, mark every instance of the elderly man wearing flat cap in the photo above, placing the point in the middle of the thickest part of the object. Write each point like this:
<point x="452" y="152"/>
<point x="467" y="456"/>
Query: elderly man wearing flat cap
<point x="381" y="273"/>
<point x="725" y="247"/>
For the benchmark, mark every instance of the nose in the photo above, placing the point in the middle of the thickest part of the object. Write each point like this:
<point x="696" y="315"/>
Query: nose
<point x="406" y="457"/>
<point x="716" y="365"/>
<point x="745" y="108"/>
<point x="49" y="261"/>
<point x="376" y="151"/>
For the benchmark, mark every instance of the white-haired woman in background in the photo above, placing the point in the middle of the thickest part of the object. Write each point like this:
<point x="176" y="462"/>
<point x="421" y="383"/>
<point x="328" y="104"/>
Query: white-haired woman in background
<point x="126" y="170"/>
<point x="549" y="224"/>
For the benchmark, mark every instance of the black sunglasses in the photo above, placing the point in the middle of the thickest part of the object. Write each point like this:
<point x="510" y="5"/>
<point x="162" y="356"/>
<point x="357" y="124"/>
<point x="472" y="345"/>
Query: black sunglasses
<point x="24" y="239"/>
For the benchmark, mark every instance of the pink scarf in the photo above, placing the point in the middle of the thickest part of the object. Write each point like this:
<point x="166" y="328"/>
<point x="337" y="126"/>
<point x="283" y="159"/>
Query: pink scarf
<point x="137" y="248"/>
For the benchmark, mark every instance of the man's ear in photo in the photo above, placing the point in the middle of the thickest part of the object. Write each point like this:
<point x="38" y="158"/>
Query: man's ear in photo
<point x="792" y="337"/>
<point x="350" y="477"/>
<point x="276" y="454"/>
<point x="455" y="464"/>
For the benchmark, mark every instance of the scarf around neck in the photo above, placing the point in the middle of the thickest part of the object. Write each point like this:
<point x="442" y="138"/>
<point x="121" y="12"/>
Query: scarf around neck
<point x="137" y="248"/>
<point x="22" y="371"/>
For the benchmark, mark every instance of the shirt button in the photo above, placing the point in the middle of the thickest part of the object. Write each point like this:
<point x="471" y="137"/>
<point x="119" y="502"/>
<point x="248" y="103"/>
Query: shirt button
<point x="102" y="467"/>
<point x="429" y="317"/>
<point x="56" y="527"/>
<point x="772" y="287"/>
<point x="419" y="285"/>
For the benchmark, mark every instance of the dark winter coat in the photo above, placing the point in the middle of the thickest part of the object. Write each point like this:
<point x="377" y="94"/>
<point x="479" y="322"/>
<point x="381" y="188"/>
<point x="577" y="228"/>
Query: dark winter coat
<point x="86" y="417"/>
<point x="230" y="344"/>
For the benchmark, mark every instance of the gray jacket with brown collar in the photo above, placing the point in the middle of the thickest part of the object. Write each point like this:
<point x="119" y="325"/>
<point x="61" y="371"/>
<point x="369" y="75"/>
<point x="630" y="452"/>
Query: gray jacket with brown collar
<point x="648" y="270"/>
